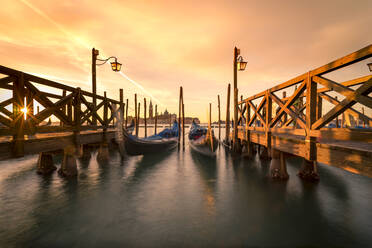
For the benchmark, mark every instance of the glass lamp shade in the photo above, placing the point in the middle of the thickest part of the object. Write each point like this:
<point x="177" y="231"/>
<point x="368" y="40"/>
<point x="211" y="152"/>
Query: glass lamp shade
<point x="116" y="66"/>
<point x="370" y="66"/>
<point x="242" y="65"/>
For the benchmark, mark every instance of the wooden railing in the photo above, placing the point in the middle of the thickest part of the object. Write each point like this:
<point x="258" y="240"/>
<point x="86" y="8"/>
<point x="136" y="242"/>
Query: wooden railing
<point x="73" y="107"/>
<point x="302" y="114"/>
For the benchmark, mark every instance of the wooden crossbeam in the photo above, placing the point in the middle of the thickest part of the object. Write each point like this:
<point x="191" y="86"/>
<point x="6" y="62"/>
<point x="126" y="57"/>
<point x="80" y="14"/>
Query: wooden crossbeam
<point x="48" y="104"/>
<point x="345" y="91"/>
<point x="289" y="111"/>
<point x="350" y="110"/>
<point x="349" y="101"/>
<point x="6" y="112"/>
<point x="256" y="111"/>
<point x="88" y="112"/>
<point x="299" y="111"/>
<point x="6" y="102"/>
<point x="288" y="103"/>
<point x="6" y="80"/>
<point x="92" y="110"/>
<point x="241" y="113"/>
<point x="51" y="109"/>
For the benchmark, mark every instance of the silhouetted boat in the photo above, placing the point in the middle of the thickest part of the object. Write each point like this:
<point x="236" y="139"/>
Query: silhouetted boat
<point x="202" y="140"/>
<point x="130" y="128"/>
<point x="165" y="140"/>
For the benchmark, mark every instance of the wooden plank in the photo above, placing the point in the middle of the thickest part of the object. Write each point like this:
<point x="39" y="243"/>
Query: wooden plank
<point x="344" y="90"/>
<point x="349" y="59"/>
<point x="6" y="102"/>
<point x="346" y="134"/>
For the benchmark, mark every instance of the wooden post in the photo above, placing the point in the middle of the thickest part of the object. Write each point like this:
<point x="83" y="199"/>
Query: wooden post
<point x="179" y="115"/>
<point x="235" y="137"/>
<point x="105" y="112"/>
<point x="126" y="114"/>
<point x="311" y="105"/>
<point x="69" y="110"/>
<point x="336" y="116"/>
<point x="121" y="96"/>
<point x="38" y="109"/>
<point x="268" y="120"/>
<point x="284" y="115"/>
<point x="138" y="117"/>
<point x="18" y="116"/>
<point x="144" y="116"/>
<point x="63" y="108"/>
<point x="135" y="115"/>
<point x="247" y="131"/>
<point x="94" y="88"/>
<point x="77" y="119"/>
<point x="183" y="124"/>
<point x="219" y="118"/>
<point x="364" y="122"/>
<point x="30" y="111"/>
<point x="156" y="117"/>
<point x="227" y="123"/>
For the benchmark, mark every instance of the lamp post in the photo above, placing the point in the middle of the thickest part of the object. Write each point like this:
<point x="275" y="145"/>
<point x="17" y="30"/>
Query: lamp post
<point x="115" y="66"/>
<point x="239" y="64"/>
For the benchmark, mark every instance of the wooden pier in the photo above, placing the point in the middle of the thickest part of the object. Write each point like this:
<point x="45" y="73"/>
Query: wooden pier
<point x="298" y="123"/>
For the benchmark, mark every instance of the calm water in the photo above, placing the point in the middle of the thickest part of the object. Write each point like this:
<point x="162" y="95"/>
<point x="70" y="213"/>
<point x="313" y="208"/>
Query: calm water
<point x="181" y="199"/>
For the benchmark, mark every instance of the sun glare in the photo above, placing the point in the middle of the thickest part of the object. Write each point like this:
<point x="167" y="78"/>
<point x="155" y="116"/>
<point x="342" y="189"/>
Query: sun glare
<point x="24" y="110"/>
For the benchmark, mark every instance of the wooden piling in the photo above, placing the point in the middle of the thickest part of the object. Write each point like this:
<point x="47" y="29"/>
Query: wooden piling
<point x="126" y="114"/>
<point x="179" y="115"/>
<point x="219" y="118"/>
<point x="135" y="115"/>
<point x="121" y="97"/>
<point x="337" y="115"/>
<point x="364" y="121"/>
<point x="227" y="123"/>
<point x="144" y="116"/>
<point x="235" y="136"/>
<point x="156" y="117"/>
<point x="138" y="117"/>
<point x="183" y="124"/>
<point x="63" y="108"/>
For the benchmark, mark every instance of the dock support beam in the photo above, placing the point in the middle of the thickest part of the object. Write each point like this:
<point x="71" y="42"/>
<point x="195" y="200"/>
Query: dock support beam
<point x="68" y="167"/>
<point x="278" y="167"/>
<point x="45" y="165"/>
<point x="309" y="171"/>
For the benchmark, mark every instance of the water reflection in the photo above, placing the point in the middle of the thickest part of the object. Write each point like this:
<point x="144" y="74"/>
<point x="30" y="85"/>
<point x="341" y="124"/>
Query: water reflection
<point x="180" y="198"/>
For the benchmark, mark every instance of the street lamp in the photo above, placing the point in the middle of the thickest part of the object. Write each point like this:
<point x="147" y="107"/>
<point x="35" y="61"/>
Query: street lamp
<point x="370" y="66"/>
<point x="115" y="66"/>
<point x="239" y="64"/>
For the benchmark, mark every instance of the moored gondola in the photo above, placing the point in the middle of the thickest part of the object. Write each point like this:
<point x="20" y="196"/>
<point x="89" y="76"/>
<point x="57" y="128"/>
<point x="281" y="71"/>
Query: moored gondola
<point x="165" y="140"/>
<point x="202" y="140"/>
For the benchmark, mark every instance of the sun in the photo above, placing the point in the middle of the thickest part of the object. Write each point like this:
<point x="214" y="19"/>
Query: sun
<point x="24" y="110"/>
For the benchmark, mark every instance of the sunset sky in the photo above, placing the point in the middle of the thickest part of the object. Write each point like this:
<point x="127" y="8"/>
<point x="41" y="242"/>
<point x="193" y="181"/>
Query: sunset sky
<point x="166" y="44"/>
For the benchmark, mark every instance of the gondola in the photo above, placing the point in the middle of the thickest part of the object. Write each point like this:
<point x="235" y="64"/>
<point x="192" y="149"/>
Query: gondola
<point x="202" y="140"/>
<point x="165" y="140"/>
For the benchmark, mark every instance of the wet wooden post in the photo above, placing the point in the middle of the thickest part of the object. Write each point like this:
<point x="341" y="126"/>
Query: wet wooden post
<point x="156" y="117"/>
<point x="183" y="124"/>
<point x="138" y="117"/>
<point x="337" y="126"/>
<point x="179" y="116"/>
<point x="219" y="118"/>
<point x="63" y="108"/>
<point x="135" y="115"/>
<point x="121" y="97"/>
<point x="284" y="115"/>
<point x="144" y="116"/>
<point x="309" y="170"/>
<point x="18" y="118"/>
<point x="126" y="114"/>
<point x="235" y="136"/>
<point x="227" y="123"/>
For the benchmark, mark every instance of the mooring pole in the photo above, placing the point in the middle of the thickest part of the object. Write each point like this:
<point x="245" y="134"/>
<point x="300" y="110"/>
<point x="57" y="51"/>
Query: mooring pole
<point x="126" y="114"/>
<point x="179" y="115"/>
<point x="144" y="115"/>
<point x="183" y="124"/>
<point x="95" y="53"/>
<point x="219" y="118"/>
<point x="135" y="115"/>
<point x="227" y="123"/>
<point x="138" y="117"/>
<point x="156" y="117"/>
